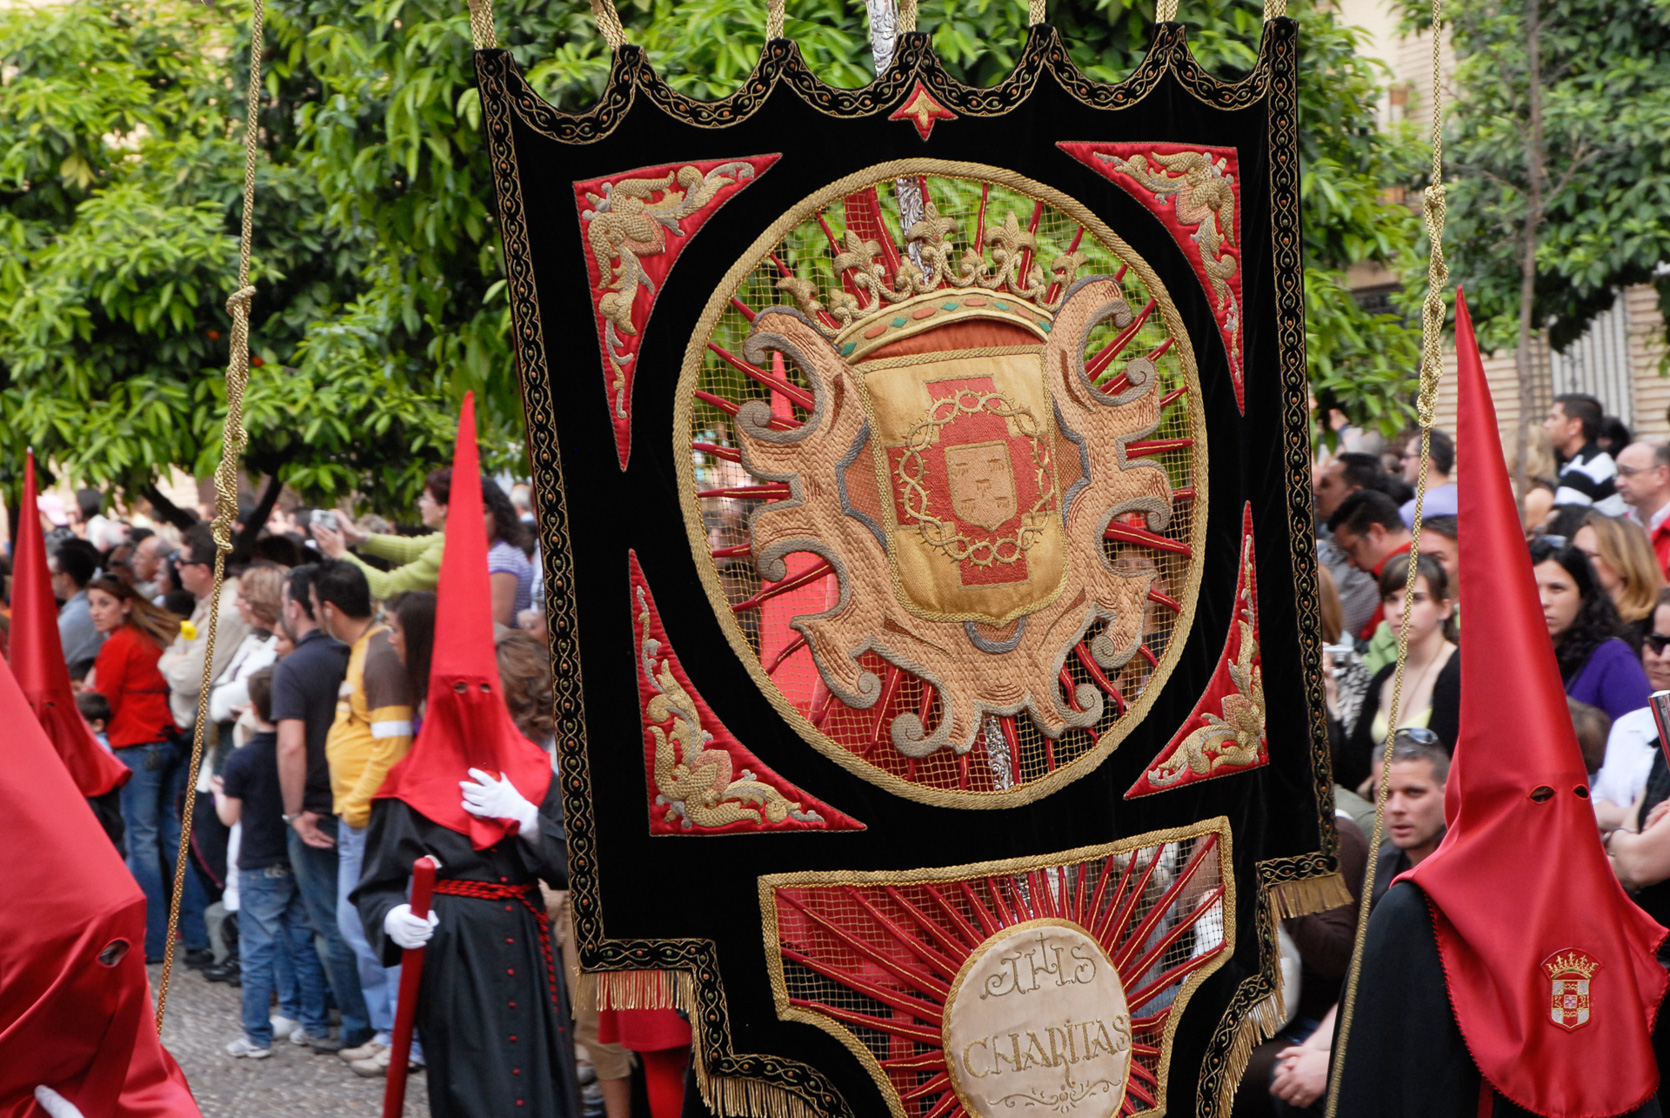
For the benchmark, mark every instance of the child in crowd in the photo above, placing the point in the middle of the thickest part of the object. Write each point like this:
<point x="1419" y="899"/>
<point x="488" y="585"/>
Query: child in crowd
<point x="270" y="905"/>
<point x="95" y="708"/>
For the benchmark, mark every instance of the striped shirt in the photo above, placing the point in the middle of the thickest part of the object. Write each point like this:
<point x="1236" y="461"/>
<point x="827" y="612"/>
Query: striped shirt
<point x="1587" y="478"/>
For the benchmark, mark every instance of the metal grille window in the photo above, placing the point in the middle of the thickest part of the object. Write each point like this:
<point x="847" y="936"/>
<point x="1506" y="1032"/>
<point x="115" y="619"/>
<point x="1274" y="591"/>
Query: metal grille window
<point x="1597" y="363"/>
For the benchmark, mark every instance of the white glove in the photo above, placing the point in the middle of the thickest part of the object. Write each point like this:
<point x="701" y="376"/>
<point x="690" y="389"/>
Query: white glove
<point x="498" y="799"/>
<point x="406" y="930"/>
<point x="56" y="1105"/>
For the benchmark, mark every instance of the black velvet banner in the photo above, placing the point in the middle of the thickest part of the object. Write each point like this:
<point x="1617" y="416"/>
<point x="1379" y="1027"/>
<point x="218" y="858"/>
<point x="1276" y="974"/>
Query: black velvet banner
<point x="911" y="579"/>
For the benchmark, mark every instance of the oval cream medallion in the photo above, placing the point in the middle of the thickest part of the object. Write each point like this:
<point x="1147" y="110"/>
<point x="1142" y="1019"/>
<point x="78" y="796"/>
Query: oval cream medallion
<point x="1036" y="1023"/>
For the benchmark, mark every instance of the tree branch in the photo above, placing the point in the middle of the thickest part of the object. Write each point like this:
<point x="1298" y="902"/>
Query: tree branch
<point x="167" y="510"/>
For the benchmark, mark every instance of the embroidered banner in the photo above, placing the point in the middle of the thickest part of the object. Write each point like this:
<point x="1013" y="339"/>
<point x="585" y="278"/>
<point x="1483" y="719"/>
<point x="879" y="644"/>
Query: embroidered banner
<point x="946" y="494"/>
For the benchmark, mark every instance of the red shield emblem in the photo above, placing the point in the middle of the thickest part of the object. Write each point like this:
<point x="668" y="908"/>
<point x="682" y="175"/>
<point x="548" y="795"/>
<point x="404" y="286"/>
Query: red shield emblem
<point x="1570" y="972"/>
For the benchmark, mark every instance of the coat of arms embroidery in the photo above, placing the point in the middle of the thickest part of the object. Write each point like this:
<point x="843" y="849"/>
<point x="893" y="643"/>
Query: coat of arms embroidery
<point x="1570" y="973"/>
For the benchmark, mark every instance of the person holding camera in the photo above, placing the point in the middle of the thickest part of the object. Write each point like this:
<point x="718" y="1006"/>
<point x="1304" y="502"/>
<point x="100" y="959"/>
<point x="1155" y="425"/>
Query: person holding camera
<point x="417" y="559"/>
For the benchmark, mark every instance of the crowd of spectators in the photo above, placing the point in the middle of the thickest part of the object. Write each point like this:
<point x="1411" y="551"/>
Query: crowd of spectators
<point x="317" y="688"/>
<point x="1595" y="507"/>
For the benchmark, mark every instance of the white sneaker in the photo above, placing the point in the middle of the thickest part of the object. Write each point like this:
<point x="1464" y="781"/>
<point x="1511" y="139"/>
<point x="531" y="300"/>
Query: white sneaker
<point x="284" y="1027"/>
<point x="243" y="1046"/>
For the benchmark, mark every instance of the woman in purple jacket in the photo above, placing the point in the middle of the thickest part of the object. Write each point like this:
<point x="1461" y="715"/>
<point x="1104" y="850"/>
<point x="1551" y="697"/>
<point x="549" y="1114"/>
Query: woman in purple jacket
<point x="1598" y="667"/>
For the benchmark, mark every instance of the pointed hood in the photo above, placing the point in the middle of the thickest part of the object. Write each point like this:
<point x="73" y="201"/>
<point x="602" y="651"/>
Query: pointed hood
<point x="1550" y="966"/>
<point x="75" y="1001"/>
<point x="465" y="722"/>
<point x="37" y="656"/>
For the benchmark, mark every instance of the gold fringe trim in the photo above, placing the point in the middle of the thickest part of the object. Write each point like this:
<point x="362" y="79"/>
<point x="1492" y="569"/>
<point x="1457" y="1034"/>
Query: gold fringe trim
<point x="636" y="989"/>
<point x="729" y="1097"/>
<point x="1314" y="894"/>
<point x="1263" y="1021"/>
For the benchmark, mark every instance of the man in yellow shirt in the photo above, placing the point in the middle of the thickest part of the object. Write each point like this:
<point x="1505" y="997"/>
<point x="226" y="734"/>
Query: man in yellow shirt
<point x="372" y="732"/>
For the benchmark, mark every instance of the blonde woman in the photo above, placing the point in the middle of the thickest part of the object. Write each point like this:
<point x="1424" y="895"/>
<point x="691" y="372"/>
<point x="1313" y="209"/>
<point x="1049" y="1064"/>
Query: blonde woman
<point x="1627" y="570"/>
<point x="1541" y="470"/>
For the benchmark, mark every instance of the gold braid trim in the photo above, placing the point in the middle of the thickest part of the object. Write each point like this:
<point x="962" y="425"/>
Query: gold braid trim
<point x="608" y="23"/>
<point x="482" y="33"/>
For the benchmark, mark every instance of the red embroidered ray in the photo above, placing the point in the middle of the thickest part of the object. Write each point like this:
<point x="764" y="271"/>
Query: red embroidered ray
<point x="1195" y="192"/>
<point x="1212" y="701"/>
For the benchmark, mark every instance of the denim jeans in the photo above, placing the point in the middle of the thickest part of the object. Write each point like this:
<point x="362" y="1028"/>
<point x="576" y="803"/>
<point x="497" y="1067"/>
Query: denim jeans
<point x="153" y="840"/>
<point x="379" y="983"/>
<point x="316" y="874"/>
<point x="271" y="918"/>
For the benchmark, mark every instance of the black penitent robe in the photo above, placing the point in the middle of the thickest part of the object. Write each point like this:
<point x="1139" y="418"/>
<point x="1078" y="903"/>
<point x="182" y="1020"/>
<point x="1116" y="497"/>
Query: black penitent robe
<point x="496" y="1034"/>
<point x="1405" y="1056"/>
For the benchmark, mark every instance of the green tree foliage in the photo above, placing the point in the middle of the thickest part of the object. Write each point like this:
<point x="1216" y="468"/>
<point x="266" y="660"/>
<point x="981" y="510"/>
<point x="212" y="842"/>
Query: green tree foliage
<point x="1604" y="91"/>
<point x="376" y="261"/>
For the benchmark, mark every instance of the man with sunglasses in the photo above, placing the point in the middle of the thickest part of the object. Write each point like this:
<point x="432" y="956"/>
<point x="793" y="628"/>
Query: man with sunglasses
<point x="1440" y="490"/>
<point x="1414" y="805"/>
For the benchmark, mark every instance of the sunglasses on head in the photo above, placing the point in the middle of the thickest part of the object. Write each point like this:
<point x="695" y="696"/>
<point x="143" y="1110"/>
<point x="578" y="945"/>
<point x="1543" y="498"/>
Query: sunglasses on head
<point x="1420" y="735"/>
<point x="1658" y="642"/>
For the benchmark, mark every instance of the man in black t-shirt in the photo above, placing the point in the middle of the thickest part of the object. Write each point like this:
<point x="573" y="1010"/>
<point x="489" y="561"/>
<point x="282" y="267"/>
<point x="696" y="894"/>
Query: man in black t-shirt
<point x="270" y="907"/>
<point x="305" y="685"/>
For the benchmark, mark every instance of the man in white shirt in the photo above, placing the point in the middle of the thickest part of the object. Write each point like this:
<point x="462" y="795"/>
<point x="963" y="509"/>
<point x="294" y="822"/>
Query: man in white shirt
<point x="182" y="662"/>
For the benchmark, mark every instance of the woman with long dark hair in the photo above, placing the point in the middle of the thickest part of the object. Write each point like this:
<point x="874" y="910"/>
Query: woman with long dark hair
<point x="1596" y="664"/>
<point x="144" y="738"/>
<point x="509" y="571"/>
<point x="411" y="620"/>
<point x="1431" y="695"/>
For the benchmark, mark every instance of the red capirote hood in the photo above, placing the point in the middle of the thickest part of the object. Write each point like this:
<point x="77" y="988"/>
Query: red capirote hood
<point x="1550" y="965"/>
<point x="465" y="721"/>
<point x="75" y="1001"/>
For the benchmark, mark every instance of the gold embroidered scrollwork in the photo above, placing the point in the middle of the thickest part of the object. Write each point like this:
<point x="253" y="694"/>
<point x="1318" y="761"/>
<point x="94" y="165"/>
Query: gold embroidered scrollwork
<point x="695" y="783"/>
<point x="628" y="221"/>
<point x="1233" y="740"/>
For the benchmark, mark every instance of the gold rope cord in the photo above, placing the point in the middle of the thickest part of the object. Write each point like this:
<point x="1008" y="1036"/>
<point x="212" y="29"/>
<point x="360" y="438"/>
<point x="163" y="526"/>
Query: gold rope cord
<point x="1274" y="9"/>
<point x="1432" y="371"/>
<point x="608" y="22"/>
<point x="233" y="438"/>
<point x="482" y="34"/>
<point x="773" y="19"/>
<point x="1165" y="11"/>
<point x="1035" y="12"/>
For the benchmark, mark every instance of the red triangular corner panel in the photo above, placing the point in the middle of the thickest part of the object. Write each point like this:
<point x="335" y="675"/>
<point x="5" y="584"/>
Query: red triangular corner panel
<point x="1224" y="734"/>
<point x="633" y="226"/>
<point x="1195" y="191"/>
<point x="700" y="779"/>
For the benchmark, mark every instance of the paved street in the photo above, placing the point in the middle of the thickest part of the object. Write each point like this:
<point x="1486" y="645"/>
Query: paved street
<point x="202" y="1016"/>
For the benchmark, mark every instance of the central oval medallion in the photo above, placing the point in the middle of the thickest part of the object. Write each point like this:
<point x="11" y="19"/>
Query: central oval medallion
<point x="1037" y="1023"/>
